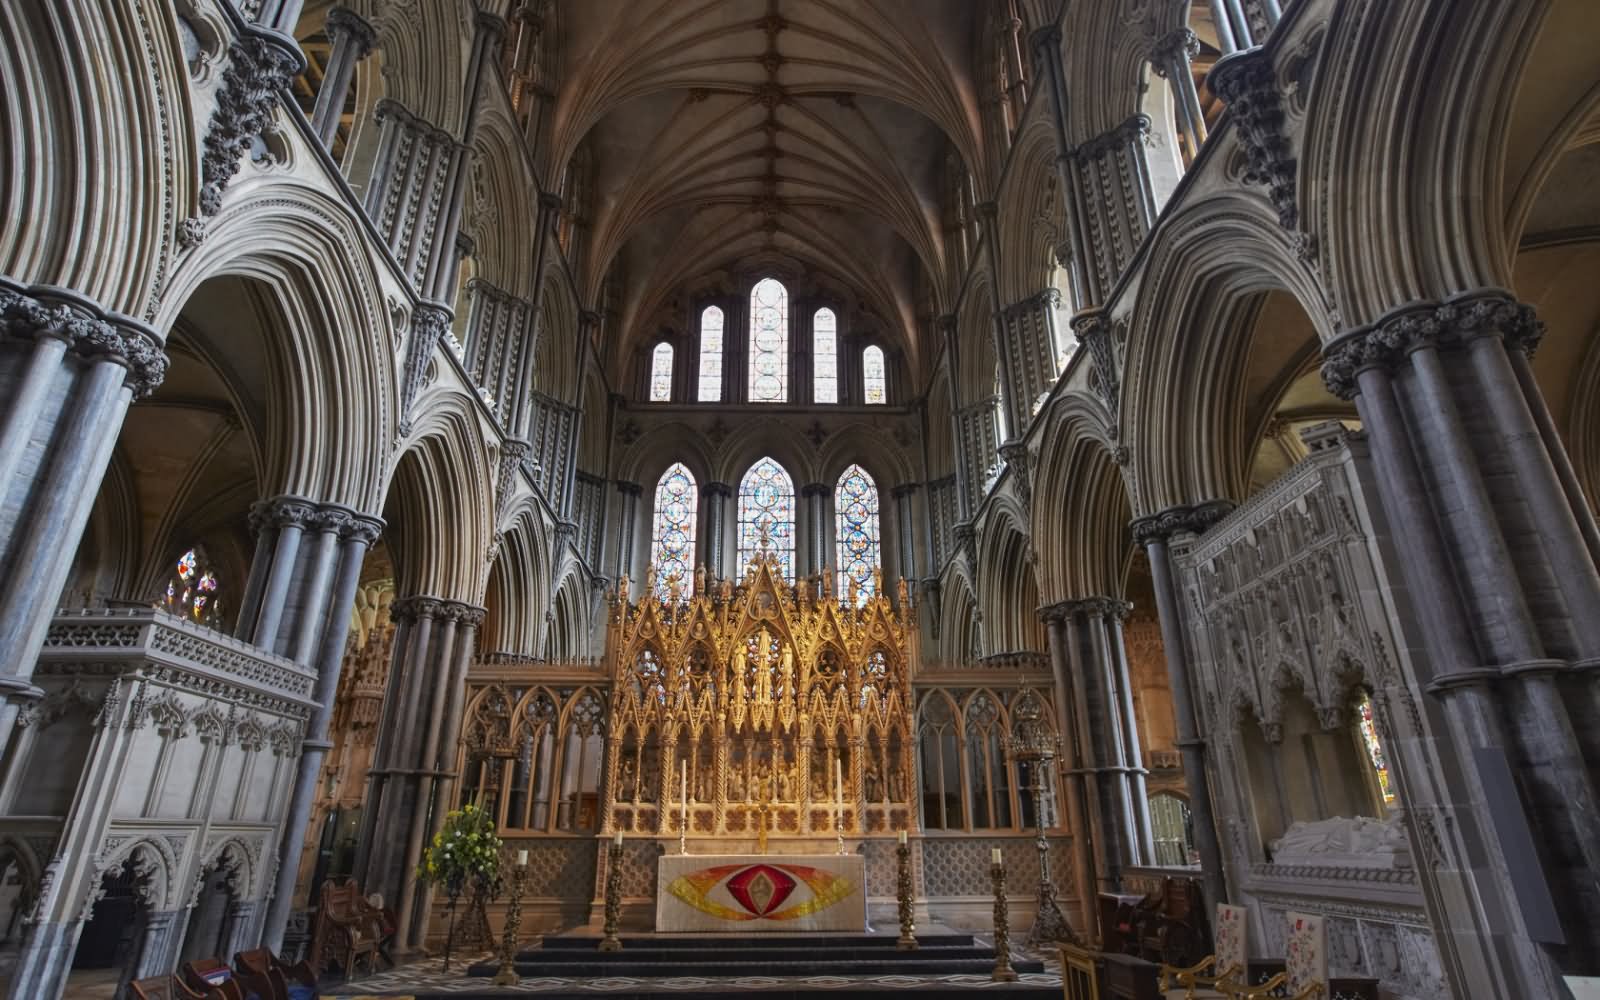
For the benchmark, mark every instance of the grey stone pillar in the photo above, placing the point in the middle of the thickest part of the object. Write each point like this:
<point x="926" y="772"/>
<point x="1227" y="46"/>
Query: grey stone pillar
<point x="352" y="39"/>
<point x="1072" y="727"/>
<point x="1153" y="533"/>
<point x="1495" y="554"/>
<point x="715" y="547"/>
<point x="814" y="510"/>
<point x="353" y="534"/>
<point x="627" y="524"/>
<point x="1171" y="58"/>
<point x="69" y="370"/>
<point x="1074" y="254"/>
<point x="905" y="527"/>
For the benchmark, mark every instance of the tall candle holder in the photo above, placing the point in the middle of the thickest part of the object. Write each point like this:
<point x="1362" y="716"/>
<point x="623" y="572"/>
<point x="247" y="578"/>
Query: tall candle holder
<point x="507" y="976"/>
<point x="1003" y="973"/>
<point x="613" y="896"/>
<point x="1034" y="747"/>
<point x="908" y="926"/>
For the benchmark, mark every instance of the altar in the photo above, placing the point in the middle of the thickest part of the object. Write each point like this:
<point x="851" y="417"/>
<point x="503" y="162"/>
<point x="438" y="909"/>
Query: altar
<point x="761" y="893"/>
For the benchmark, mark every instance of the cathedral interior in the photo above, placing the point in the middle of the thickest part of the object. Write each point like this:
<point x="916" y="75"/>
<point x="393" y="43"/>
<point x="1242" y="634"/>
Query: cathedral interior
<point x="1147" y="447"/>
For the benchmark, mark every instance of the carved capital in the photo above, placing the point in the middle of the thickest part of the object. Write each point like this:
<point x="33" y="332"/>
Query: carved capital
<point x="1247" y="82"/>
<point x="1195" y="519"/>
<point x="628" y="489"/>
<point x="363" y="528"/>
<point x="905" y="490"/>
<point x="342" y="21"/>
<point x="40" y="311"/>
<point x="283" y="511"/>
<point x="723" y="490"/>
<point x="1174" y="50"/>
<point x="1385" y="343"/>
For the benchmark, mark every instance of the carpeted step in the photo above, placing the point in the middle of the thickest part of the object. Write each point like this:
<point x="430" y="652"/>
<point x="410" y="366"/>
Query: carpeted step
<point x="695" y="942"/>
<point x="768" y="990"/>
<point x="773" y="952"/>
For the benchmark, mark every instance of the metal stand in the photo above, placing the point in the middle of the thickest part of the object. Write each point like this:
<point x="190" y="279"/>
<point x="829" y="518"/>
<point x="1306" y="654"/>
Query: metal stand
<point x="1049" y="923"/>
<point x="613" y="898"/>
<point x="908" y="926"/>
<point x="507" y="976"/>
<point x="1003" y="973"/>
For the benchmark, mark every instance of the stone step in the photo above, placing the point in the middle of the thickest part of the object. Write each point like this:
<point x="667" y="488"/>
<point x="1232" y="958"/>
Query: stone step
<point x="701" y="942"/>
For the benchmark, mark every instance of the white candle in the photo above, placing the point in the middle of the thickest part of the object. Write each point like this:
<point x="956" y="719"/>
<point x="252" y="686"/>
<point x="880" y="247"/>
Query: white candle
<point x="617" y="842"/>
<point x="522" y="859"/>
<point x="838" y="782"/>
<point x="683" y="795"/>
<point x="994" y="855"/>
<point x="902" y="839"/>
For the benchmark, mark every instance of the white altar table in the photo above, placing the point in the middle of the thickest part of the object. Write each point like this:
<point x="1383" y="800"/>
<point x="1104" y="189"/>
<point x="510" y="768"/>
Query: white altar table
<point x="754" y="893"/>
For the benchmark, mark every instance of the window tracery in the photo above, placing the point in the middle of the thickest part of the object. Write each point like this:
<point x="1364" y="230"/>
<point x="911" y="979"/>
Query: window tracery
<point x="766" y="507"/>
<point x="769" y="342"/>
<point x="672" y="542"/>
<point x="710" y="387"/>
<point x="858" y="540"/>
<point x="825" y="357"/>
<point x="661" y="373"/>
<point x="193" y="590"/>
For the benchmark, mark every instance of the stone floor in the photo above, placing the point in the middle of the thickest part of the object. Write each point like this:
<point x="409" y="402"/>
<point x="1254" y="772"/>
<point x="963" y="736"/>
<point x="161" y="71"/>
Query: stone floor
<point x="428" y="978"/>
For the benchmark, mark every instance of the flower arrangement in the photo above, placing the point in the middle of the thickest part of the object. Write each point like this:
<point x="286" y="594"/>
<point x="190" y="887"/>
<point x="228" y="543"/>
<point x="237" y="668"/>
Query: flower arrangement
<point x="465" y="847"/>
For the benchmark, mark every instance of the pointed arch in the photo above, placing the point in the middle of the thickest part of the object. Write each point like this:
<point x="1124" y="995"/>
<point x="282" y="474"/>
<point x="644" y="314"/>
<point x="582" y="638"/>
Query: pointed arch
<point x="672" y="536"/>
<point x="769" y="342"/>
<point x="766" y="505"/>
<point x="857" y="536"/>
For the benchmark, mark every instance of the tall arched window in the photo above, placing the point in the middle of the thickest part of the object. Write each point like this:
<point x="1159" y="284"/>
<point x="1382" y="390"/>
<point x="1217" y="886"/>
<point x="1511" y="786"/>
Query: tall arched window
<point x="855" y="502"/>
<point x="672" y="546"/>
<point x="192" y="589"/>
<point x="825" y="357"/>
<point x="769" y="342"/>
<point x="710" y="390"/>
<point x="661" y="373"/>
<point x="766" y="501"/>
<point x="874" y="378"/>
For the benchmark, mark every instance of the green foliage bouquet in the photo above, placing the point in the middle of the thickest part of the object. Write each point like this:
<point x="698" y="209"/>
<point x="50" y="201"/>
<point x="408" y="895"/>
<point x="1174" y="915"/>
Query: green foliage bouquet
<point x="466" y="847"/>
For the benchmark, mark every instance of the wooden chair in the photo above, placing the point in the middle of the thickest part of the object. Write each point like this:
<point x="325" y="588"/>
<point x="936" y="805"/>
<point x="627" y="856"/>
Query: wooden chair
<point x="1228" y="964"/>
<point x="285" y="982"/>
<point x="1080" y="973"/>
<point x="165" y="988"/>
<point x="211" y="978"/>
<point x="347" y="929"/>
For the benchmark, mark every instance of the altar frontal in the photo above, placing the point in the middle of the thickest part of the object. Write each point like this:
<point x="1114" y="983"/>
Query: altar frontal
<point x="754" y="893"/>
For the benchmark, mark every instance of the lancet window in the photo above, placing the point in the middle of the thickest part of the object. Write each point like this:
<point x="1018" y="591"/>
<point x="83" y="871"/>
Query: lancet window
<point x="1367" y="727"/>
<point x="193" y="590"/>
<point x="710" y="387"/>
<point x="966" y="779"/>
<point x="769" y="342"/>
<point x="672" y="544"/>
<point x="855" y="501"/>
<point x="766" y="506"/>
<point x="825" y="357"/>
<point x="661" y="373"/>
<point x="874" y="376"/>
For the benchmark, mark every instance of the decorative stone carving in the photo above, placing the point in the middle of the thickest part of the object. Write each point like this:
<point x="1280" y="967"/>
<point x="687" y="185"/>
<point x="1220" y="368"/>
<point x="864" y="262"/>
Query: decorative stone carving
<point x="1249" y="85"/>
<point x="1094" y="331"/>
<point x="260" y="64"/>
<point x="1196" y="519"/>
<point x="1358" y="841"/>
<point x="1483" y="312"/>
<point x="428" y="326"/>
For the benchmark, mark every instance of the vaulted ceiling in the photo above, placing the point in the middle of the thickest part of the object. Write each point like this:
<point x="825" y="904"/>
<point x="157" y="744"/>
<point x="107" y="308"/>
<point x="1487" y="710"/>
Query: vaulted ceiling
<point x="729" y="135"/>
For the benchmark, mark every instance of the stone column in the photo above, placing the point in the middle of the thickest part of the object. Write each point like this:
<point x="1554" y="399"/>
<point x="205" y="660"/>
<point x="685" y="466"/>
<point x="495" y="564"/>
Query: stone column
<point x="905" y="528"/>
<point x="814" y="508"/>
<point x="70" y="370"/>
<point x="355" y="534"/>
<point x="1047" y="46"/>
<point x="1135" y="772"/>
<point x="1495" y="554"/>
<point x="627" y="521"/>
<point x="352" y="39"/>
<point x="1171" y="59"/>
<point x="716" y="496"/>
<point x="1074" y="771"/>
<point x="1154" y="533"/>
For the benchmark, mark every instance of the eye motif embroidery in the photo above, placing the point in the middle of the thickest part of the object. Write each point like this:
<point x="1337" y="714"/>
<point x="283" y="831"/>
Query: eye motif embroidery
<point x="759" y="891"/>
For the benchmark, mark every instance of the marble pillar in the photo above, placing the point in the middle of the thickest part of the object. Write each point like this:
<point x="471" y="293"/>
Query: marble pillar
<point x="68" y="372"/>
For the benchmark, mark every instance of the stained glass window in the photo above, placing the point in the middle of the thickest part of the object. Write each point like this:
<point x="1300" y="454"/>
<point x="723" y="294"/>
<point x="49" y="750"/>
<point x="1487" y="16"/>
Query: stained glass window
<point x="710" y="355"/>
<point x="825" y="357"/>
<point x="672" y="546"/>
<point x="766" y="500"/>
<point x="855" y="502"/>
<point x="769" y="342"/>
<point x="1368" y="726"/>
<point x="192" y="590"/>
<point x="661" y="374"/>
<point x="874" y="379"/>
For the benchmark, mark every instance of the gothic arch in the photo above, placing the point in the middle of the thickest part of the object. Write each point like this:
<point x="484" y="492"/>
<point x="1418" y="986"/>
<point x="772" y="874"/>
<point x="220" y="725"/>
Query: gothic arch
<point x="1082" y="541"/>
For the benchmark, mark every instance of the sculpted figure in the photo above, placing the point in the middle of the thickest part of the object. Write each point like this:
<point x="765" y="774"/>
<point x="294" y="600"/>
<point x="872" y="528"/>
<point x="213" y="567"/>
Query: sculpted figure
<point x="874" y="784"/>
<point x="1379" y="841"/>
<point x="625" y="794"/>
<point x="897" y="785"/>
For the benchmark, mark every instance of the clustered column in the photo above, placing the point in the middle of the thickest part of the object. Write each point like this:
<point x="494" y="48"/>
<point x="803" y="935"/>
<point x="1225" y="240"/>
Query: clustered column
<point x="1154" y="534"/>
<point x="1172" y="57"/>
<point x="905" y="527"/>
<point x="409" y="787"/>
<point x="352" y="39"/>
<point x="1077" y="776"/>
<point x="70" y="370"/>
<point x="1498" y="549"/>
<point x="627" y="521"/>
<point x="814" y="498"/>
<point x="1237" y="29"/>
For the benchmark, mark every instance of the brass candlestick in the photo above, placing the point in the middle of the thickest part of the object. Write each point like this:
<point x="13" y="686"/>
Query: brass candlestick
<point x="908" y="926"/>
<point x="613" y="898"/>
<point x="1003" y="973"/>
<point x="507" y="976"/>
